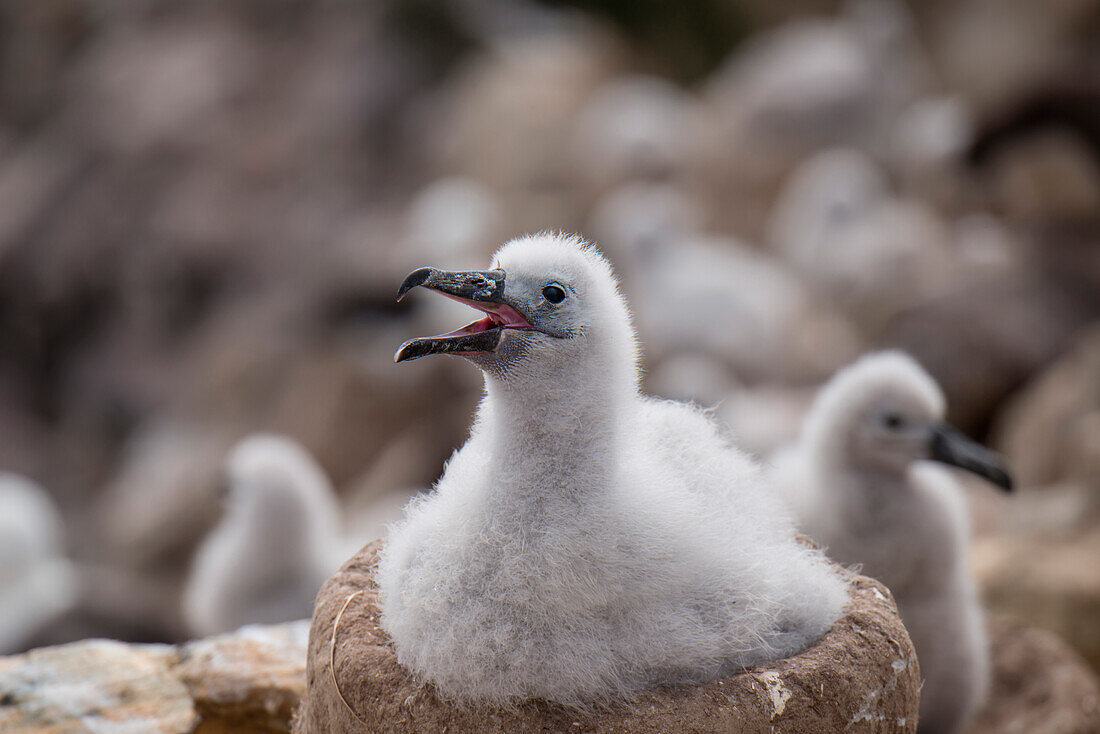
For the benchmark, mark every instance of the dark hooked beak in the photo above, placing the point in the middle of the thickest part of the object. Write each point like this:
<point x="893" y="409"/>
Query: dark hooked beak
<point x="481" y="289"/>
<point x="951" y="447"/>
<point x="471" y="285"/>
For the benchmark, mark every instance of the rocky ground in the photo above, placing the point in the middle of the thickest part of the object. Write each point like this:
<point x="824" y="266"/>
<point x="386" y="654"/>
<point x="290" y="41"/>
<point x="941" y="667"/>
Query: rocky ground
<point x="250" y="681"/>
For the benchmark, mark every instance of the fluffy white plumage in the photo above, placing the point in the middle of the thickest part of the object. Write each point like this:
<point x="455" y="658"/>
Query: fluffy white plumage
<point x="37" y="581"/>
<point x="587" y="541"/>
<point x="859" y="488"/>
<point x="278" y="542"/>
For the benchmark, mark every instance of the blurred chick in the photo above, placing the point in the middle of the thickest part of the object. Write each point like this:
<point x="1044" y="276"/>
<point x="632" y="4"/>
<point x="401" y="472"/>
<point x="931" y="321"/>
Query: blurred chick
<point x="860" y="485"/>
<point x="839" y="225"/>
<point x="37" y="582"/>
<point x="772" y="326"/>
<point x="279" y="540"/>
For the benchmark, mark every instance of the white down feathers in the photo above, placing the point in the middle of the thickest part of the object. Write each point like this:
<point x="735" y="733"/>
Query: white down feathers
<point x="587" y="541"/>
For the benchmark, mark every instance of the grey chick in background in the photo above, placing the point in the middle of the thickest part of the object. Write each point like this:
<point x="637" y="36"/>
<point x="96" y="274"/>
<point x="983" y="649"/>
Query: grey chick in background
<point x="861" y="485"/>
<point x="578" y="546"/>
<point x="277" y="543"/>
<point x="37" y="581"/>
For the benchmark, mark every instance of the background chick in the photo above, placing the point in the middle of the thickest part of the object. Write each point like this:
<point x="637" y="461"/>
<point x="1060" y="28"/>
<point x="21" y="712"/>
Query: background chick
<point x="37" y="581"/>
<point x="279" y="540"/>
<point x="860" y="485"/>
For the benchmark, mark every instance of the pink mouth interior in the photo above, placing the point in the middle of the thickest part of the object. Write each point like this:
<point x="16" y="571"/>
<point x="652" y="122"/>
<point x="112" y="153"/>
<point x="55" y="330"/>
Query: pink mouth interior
<point x="496" y="315"/>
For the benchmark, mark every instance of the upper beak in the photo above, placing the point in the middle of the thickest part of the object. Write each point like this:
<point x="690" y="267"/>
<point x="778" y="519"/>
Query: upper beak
<point x="482" y="289"/>
<point x="951" y="447"/>
<point x="471" y="285"/>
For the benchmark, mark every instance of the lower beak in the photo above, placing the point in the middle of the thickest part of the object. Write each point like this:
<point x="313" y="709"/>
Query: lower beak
<point x="951" y="447"/>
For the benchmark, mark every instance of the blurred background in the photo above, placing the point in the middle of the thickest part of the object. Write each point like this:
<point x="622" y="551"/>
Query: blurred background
<point x="206" y="208"/>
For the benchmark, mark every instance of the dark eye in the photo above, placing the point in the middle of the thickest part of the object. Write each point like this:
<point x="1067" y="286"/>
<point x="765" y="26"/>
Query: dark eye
<point x="893" y="421"/>
<point x="553" y="293"/>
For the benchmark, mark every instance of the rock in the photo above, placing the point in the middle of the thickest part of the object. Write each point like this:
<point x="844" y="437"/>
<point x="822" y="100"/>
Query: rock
<point x="986" y="246"/>
<point x="30" y="178"/>
<point x="1052" y="582"/>
<point x="1040" y="686"/>
<point x="1050" y="430"/>
<point x="1047" y="175"/>
<point x="811" y="79"/>
<point x="508" y="119"/>
<point x="254" y="677"/>
<point x="987" y="54"/>
<point x="983" y="338"/>
<point x="861" y="677"/>
<point x="95" y="685"/>
<point x="141" y="87"/>
<point x="250" y="680"/>
<point x="806" y="85"/>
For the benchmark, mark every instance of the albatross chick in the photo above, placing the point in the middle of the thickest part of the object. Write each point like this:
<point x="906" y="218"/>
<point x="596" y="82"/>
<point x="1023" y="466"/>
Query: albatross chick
<point x="38" y="583"/>
<point x="279" y="540"/>
<point x="861" y="485"/>
<point x="586" y="541"/>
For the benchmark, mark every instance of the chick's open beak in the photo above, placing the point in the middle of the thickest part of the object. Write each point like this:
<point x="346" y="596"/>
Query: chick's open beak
<point x="481" y="289"/>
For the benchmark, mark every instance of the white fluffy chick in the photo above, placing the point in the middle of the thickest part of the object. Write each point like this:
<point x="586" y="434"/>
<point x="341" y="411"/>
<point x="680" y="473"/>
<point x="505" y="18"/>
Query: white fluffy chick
<point x="586" y="541"/>
<point x="37" y="582"/>
<point x="279" y="540"/>
<point x="861" y="485"/>
<point x="770" y="324"/>
<point x="837" y="222"/>
<point x="639" y="127"/>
